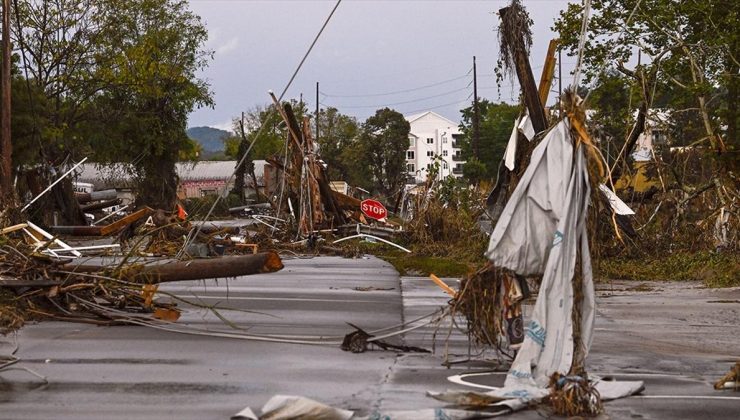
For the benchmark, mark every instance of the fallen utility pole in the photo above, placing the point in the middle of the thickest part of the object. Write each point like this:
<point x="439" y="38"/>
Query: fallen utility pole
<point x="207" y="268"/>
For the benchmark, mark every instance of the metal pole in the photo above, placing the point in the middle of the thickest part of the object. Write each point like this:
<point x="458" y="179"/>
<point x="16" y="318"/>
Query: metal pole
<point x="6" y="146"/>
<point x="476" y="114"/>
<point x="53" y="184"/>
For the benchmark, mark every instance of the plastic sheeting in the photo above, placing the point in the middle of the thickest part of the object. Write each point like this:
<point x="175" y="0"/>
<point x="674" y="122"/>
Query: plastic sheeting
<point x="541" y="231"/>
<point x="282" y="407"/>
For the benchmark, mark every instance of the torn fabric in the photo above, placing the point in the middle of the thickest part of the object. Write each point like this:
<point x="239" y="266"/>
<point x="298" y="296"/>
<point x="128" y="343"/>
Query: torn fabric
<point x="541" y="231"/>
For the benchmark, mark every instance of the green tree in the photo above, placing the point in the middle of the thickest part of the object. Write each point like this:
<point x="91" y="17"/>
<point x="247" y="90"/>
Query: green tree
<point x="496" y="122"/>
<point x="381" y="151"/>
<point x="610" y="101"/>
<point x="337" y="132"/>
<point x="691" y="48"/>
<point x="155" y="50"/>
<point x="265" y="127"/>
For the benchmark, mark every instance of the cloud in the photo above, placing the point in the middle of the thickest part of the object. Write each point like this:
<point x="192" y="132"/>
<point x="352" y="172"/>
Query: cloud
<point x="228" y="47"/>
<point x="227" y="125"/>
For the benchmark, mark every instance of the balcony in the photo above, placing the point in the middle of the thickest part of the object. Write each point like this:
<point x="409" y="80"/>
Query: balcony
<point x="457" y="170"/>
<point x="456" y="145"/>
<point x="458" y="158"/>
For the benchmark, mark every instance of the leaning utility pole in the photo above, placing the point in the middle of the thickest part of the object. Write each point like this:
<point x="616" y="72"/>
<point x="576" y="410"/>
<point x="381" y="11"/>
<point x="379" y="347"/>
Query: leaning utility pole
<point x="6" y="145"/>
<point x="476" y="115"/>
<point x="519" y="51"/>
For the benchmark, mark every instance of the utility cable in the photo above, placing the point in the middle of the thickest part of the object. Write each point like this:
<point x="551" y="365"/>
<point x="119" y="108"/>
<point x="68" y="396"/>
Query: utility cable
<point x="377" y="106"/>
<point x="373" y="95"/>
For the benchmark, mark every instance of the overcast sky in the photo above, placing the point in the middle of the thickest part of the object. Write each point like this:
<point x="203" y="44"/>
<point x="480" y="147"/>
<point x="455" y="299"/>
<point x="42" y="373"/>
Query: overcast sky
<point x="411" y="56"/>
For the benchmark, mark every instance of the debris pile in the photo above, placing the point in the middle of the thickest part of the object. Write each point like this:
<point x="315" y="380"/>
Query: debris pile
<point x="574" y="396"/>
<point x="43" y="277"/>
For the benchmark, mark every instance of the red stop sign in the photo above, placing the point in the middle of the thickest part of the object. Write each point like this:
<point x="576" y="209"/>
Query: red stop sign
<point x="373" y="209"/>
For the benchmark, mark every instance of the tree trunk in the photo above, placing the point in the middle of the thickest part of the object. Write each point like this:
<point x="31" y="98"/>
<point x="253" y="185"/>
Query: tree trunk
<point x="157" y="185"/>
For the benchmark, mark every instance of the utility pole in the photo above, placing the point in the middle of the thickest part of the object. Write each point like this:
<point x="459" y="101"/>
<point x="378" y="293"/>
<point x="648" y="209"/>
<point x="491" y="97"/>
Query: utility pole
<point x="476" y="115"/>
<point x="317" y="112"/>
<point x="526" y="79"/>
<point x="5" y="144"/>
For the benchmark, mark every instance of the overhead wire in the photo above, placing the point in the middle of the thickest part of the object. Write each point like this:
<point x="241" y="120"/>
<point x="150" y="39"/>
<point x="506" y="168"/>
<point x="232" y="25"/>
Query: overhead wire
<point x="450" y="92"/>
<point x="372" y="95"/>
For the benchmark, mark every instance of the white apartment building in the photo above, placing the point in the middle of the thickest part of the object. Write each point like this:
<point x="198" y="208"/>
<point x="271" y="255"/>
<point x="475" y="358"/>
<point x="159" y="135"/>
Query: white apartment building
<point x="432" y="135"/>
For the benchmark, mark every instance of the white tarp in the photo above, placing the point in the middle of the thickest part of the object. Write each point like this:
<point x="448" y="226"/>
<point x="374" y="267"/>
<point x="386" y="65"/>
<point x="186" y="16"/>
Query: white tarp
<point x="526" y="127"/>
<point x="615" y="202"/>
<point x="510" y="153"/>
<point x="521" y="125"/>
<point x="283" y="407"/>
<point x="540" y="231"/>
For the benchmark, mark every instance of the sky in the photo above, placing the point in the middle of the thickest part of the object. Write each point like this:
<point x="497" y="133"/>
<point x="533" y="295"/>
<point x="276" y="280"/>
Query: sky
<point x="409" y="55"/>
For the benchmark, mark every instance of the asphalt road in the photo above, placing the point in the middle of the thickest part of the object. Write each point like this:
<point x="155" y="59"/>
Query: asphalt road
<point x="676" y="337"/>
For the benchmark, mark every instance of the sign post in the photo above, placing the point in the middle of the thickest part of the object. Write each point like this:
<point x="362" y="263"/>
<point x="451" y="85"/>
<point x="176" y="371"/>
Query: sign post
<point x="373" y="209"/>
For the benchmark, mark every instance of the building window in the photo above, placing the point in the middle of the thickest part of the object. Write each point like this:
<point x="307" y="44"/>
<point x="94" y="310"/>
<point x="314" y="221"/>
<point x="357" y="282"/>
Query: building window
<point x="444" y="140"/>
<point x="444" y="152"/>
<point x="412" y="142"/>
<point x="430" y="153"/>
<point x="410" y="154"/>
<point x="410" y="168"/>
<point x="430" y="140"/>
<point x="444" y="165"/>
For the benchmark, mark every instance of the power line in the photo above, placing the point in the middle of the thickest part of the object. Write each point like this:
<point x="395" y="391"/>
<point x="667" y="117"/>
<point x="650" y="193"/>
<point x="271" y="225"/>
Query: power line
<point x="405" y="102"/>
<point x="370" y="95"/>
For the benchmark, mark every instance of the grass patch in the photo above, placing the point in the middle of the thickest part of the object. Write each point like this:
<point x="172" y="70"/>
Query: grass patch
<point x="414" y="264"/>
<point x="711" y="268"/>
<point x="410" y="264"/>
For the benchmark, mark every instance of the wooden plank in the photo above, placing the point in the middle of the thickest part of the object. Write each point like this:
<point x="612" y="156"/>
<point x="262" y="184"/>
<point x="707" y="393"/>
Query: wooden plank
<point x="548" y="72"/>
<point x="13" y="228"/>
<point x="447" y="289"/>
<point x="125" y="221"/>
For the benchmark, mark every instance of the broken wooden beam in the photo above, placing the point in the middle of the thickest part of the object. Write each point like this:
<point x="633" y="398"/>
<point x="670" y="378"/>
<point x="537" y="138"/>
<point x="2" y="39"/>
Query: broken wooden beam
<point x="548" y="71"/>
<point x="106" y="230"/>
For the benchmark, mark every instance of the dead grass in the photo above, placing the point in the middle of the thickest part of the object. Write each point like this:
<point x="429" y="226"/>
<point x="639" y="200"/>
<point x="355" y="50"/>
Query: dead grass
<point x="711" y="268"/>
